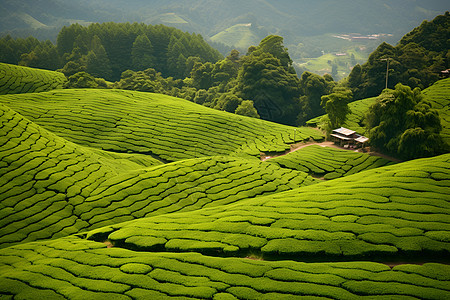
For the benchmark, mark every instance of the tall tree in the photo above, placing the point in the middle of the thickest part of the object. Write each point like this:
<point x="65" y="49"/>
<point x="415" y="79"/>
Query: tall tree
<point x="142" y="53"/>
<point x="336" y="105"/>
<point x="97" y="61"/>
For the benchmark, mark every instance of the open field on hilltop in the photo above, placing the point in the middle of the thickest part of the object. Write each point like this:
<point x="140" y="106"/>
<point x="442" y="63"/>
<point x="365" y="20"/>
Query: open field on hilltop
<point x="328" y="162"/>
<point x="165" y="127"/>
<point x="394" y="211"/>
<point x="17" y="79"/>
<point x="50" y="187"/>
<point x="73" y="268"/>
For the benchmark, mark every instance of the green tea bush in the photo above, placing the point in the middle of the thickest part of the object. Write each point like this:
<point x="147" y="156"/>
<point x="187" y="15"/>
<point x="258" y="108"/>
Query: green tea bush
<point x="330" y="162"/>
<point x="164" y="127"/>
<point x="17" y="79"/>
<point x="363" y="215"/>
<point x="57" y="269"/>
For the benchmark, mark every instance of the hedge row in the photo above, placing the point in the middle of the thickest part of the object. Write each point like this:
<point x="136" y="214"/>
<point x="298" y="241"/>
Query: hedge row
<point x="73" y="268"/>
<point x="168" y="128"/>
<point x="329" y="162"/>
<point x="50" y="187"/>
<point x="386" y="212"/>
<point x="17" y="80"/>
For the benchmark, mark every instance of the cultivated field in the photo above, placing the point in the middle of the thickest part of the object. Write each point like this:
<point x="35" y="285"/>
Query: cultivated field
<point x="128" y="195"/>
<point x="17" y="79"/>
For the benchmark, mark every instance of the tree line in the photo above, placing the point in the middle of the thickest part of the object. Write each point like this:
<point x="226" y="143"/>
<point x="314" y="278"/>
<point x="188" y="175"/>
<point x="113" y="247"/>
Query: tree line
<point x="108" y="49"/>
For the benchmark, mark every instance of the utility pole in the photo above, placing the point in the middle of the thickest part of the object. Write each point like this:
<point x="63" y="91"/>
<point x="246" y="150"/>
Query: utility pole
<point x="387" y="69"/>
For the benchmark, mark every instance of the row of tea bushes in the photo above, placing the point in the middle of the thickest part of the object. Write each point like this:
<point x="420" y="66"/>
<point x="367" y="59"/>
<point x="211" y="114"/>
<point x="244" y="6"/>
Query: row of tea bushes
<point x="329" y="162"/>
<point x="386" y="212"/>
<point x="50" y="187"/>
<point x="73" y="268"/>
<point x="17" y="79"/>
<point x="439" y="96"/>
<point x="168" y="128"/>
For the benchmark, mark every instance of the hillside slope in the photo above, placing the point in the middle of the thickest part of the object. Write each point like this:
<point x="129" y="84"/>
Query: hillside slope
<point x="17" y="79"/>
<point x="50" y="187"/>
<point x="385" y="213"/>
<point x="328" y="162"/>
<point x="167" y="128"/>
<point x="73" y="268"/>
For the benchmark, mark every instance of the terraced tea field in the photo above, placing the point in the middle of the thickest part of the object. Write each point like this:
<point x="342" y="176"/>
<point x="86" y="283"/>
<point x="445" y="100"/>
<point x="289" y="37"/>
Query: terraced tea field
<point x="17" y="79"/>
<point x="73" y="268"/>
<point x="166" y="128"/>
<point x="128" y="195"/>
<point x="439" y="96"/>
<point x="328" y="162"/>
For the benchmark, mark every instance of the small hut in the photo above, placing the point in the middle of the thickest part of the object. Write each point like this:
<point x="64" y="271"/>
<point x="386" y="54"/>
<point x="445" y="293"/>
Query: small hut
<point x="348" y="138"/>
<point x="343" y="137"/>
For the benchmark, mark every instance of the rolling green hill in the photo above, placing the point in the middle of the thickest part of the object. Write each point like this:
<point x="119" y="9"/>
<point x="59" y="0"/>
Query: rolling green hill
<point x="167" y="128"/>
<point x="51" y="187"/>
<point x="385" y="213"/>
<point x="131" y="195"/>
<point x="329" y="162"/>
<point x="74" y="268"/>
<point x="17" y="79"/>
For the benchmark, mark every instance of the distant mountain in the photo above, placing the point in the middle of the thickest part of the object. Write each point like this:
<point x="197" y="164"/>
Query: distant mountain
<point x="290" y="18"/>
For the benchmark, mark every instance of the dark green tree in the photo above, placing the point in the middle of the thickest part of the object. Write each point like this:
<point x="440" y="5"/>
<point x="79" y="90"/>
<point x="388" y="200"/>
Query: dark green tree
<point x="97" y="61"/>
<point x="336" y="105"/>
<point x="246" y="108"/>
<point x="142" y="53"/>
<point x="403" y="124"/>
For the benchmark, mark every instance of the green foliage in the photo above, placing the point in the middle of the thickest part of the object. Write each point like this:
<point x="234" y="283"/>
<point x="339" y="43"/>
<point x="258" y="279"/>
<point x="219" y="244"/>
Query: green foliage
<point x="17" y="79"/>
<point x="336" y="106"/>
<point x="402" y="123"/>
<point x="81" y="80"/>
<point x="415" y="61"/>
<point x="313" y="87"/>
<point x="246" y="108"/>
<point x="382" y="213"/>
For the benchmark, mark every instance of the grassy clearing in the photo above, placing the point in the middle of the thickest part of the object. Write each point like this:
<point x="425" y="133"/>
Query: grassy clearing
<point x="17" y="79"/>
<point x="73" y="268"/>
<point x="386" y="212"/>
<point x="329" y="162"/>
<point x="167" y="128"/>
<point x="50" y="187"/>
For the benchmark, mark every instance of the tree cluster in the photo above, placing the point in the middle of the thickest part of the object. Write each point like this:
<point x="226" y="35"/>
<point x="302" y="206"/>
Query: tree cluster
<point x="106" y="50"/>
<point x="416" y="61"/>
<point x="402" y="123"/>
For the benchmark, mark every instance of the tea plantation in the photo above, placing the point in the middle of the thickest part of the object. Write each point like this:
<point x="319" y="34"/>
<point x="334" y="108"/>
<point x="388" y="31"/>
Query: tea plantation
<point x="17" y="79"/>
<point x="164" y="127"/>
<point x="50" y="187"/>
<point x="386" y="213"/>
<point x="129" y="195"/>
<point x="74" y="268"/>
<point x="329" y="162"/>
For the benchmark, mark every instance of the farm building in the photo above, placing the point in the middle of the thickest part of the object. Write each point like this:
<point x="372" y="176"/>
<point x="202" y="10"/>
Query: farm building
<point x="348" y="138"/>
